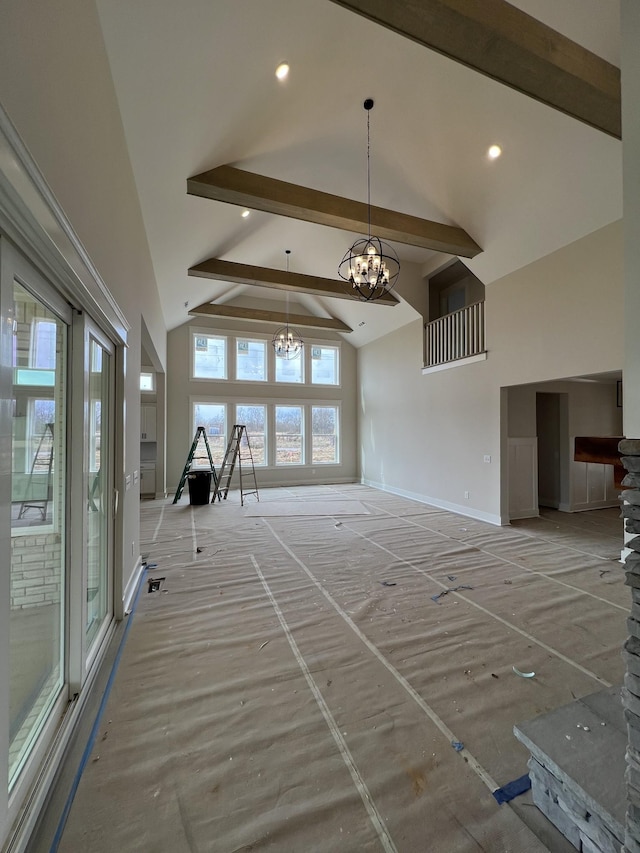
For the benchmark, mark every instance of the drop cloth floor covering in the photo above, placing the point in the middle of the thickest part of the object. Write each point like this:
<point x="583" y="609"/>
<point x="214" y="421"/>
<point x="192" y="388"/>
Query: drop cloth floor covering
<point x="295" y="686"/>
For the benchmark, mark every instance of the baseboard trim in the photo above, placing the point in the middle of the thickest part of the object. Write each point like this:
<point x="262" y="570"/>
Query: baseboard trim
<point x="132" y="586"/>
<point x="467" y="512"/>
<point x="586" y="507"/>
<point x="529" y="513"/>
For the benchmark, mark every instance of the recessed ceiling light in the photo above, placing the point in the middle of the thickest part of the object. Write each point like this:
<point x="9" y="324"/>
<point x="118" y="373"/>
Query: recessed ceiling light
<point x="245" y="213"/>
<point x="494" y="152"/>
<point x="282" y="71"/>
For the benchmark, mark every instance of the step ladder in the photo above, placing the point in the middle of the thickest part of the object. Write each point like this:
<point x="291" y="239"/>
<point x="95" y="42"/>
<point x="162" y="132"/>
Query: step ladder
<point x="234" y="452"/>
<point x="42" y="464"/>
<point x="200" y="433"/>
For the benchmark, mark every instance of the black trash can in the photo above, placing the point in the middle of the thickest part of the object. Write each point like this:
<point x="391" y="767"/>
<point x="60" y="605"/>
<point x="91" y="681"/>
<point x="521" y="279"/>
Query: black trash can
<point x="199" y="486"/>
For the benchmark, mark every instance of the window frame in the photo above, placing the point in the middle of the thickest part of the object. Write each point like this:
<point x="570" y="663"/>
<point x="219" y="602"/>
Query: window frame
<point x="266" y="435"/>
<point x="195" y="333"/>
<point x="232" y="338"/>
<point x="253" y="339"/>
<point x="152" y="377"/>
<point x="270" y="406"/>
<point x="316" y="404"/>
<point x="303" y="406"/>
<point x="337" y="364"/>
<point x="210" y="401"/>
<point x="301" y="360"/>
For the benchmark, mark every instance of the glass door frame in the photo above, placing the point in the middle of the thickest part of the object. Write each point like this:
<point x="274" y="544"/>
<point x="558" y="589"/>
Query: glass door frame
<point x="81" y="656"/>
<point x="15" y="267"/>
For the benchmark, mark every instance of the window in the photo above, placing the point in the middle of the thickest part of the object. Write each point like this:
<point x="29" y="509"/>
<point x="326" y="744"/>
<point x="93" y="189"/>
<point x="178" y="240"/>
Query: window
<point x="40" y="420"/>
<point x="43" y="344"/>
<point x="289" y="435"/>
<point x="324" y="435"/>
<point x="251" y="360"/>
<point x="209" y="356"/>
<point x="290" y="370"/>
<point x="211" y="416"/>
<point x="254" y="418"/>
<point x="95" y="431"/>
<point x="325" y="365"/>
<point x="147" y="382"/>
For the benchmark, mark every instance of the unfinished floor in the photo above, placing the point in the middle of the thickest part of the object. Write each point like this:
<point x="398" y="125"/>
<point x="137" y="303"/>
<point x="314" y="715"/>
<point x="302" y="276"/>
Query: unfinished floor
<point x="344" y="680"/>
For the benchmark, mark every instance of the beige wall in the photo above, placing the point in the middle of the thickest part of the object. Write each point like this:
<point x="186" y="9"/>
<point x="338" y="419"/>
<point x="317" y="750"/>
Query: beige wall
<point x="631" y="169"/>
<point x="56" y="86"/>
<point x="427" y="435"/>
<point x="181" y="389"/>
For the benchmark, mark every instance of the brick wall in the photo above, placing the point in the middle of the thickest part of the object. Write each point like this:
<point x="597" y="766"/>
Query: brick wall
<point x="36" y="570"/>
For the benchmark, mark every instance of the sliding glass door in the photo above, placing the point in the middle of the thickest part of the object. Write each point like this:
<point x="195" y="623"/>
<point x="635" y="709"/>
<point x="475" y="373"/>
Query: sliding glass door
<point x="38" y="341"/>
<point x="56" y="514"/>
<point x="98" y="454"/>
<point x="91" y="569"/>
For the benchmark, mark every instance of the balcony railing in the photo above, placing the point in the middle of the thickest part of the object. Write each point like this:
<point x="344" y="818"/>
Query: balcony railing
<point x="455" y="336"/>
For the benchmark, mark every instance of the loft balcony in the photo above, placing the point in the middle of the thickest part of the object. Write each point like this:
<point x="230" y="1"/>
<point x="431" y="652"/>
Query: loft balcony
<point x="455" y="339"/>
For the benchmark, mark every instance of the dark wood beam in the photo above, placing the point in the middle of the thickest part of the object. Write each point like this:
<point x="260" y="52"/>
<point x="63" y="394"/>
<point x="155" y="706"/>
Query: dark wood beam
<point x="235" y="186"/>
<point x="210" y="309"/>
<point x="502" y="42"/>
<point x="279" y="279"/>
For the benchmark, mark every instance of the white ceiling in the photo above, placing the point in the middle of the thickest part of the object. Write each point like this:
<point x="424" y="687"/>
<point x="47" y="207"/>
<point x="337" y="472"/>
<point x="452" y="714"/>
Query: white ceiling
<point x="196" y="86"/>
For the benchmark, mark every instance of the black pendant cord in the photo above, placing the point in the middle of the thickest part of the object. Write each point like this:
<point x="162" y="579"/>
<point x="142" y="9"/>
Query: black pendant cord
<point x="369" y="172"/>
<point x="287" y="253"/>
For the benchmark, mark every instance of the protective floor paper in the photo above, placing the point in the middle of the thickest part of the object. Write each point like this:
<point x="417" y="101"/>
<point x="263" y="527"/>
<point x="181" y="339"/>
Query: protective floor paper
<point x="293" y="685"/>
<point x="263" y="509"/>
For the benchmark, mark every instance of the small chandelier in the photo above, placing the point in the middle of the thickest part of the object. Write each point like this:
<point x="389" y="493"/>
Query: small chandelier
<point x="370" y="266"/>
<point x="287" y="342"/>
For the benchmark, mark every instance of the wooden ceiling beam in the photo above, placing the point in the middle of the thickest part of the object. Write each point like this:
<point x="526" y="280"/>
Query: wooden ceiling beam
<point x="210" y="309"/>
<point x="214" y="268"/>
<point x="502" y="42"/>
<point x="236" y="186"/>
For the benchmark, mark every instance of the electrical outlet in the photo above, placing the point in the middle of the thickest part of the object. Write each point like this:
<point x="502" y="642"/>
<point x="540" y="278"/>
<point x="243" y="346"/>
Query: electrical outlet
<point x="466" y="496"/>
<point x="487" y="458"/>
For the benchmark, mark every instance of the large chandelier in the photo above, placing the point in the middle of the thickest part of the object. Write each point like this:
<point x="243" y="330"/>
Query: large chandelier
<point x="287" y="342"/>
<point x="370" y="266"/>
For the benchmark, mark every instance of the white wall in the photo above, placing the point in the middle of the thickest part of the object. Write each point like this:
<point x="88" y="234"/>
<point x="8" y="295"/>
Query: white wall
<point x="55" y="84"/>
<point x="427" y="436"/>
<point x="180" y="388"/>
<point x="60" y="97"/>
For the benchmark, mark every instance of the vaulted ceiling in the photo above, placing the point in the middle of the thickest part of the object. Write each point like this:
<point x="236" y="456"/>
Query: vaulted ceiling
<point x="211" y="131"/>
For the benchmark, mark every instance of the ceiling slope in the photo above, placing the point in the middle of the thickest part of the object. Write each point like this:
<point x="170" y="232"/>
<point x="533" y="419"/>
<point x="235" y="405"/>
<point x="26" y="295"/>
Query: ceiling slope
<point x="503" y="42"/>
<point x="196" y="88"/>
